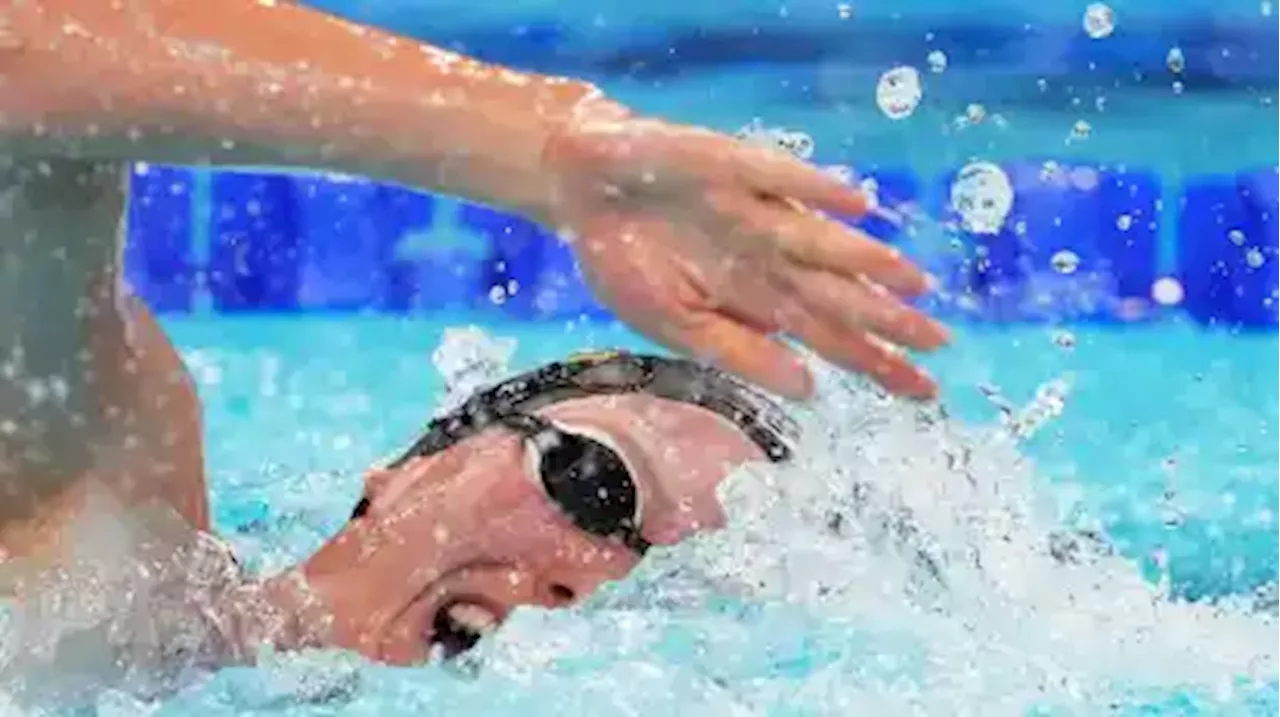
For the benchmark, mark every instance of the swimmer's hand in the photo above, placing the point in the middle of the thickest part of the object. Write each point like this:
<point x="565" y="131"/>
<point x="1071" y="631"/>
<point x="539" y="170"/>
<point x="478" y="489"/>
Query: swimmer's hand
<point x="708" y="245"/>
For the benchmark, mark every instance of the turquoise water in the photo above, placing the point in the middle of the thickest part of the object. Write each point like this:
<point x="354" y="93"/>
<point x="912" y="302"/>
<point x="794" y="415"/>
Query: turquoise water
<point x="1166" y="441"/>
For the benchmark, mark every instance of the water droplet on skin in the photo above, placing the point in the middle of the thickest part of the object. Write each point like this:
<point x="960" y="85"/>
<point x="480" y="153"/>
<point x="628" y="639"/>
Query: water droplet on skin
<point x="1065" y="261"/>
<point x="1099" y="20"/>
<point x="898" y="92"/>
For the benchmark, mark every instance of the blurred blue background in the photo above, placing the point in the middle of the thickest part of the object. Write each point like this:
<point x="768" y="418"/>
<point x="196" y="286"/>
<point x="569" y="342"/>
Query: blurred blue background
<point x="1143" y="149"/>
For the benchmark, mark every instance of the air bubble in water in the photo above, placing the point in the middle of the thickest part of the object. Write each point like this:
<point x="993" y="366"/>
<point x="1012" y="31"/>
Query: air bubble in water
<point x="982" y="196"/>
<point x="1175" y="60"/>
<point x="898" y="92"/>
<point x="937" y="61"/>
<point x="1081" y="130"/>
<point x="498" y="294"/>
<point x="1167" y="291"/>
<point x="1235" y="236"/>
<point x="1099" y="20"/>
<point x="1124" y="222"/>
<point x="844" y="10"/>
<point x="1065" y="261"/>
<point x="1064" y="339"/>
<point x="1177" y="87"/>
<point x="1254" y="258"/>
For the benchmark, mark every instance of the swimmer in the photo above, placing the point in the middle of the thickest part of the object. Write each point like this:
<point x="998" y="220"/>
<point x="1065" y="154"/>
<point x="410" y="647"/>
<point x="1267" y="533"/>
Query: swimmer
<point x="713" y="247"/>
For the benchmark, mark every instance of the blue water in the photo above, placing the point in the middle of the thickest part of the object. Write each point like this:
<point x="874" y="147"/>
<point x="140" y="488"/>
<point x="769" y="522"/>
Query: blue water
<point x="1168" y="442"/>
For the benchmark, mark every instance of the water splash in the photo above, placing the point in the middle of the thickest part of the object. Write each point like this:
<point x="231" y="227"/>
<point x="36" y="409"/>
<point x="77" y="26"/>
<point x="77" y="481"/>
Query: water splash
<point x="904" y="563"/>
<point x="469" y="359"/>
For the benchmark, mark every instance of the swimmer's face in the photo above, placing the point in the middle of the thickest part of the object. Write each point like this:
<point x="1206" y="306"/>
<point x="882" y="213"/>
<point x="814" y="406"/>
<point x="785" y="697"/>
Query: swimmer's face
<point x="451" y="543"/>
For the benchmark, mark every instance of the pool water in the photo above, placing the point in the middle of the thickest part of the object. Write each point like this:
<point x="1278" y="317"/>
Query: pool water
<point x="1161" y="436"/>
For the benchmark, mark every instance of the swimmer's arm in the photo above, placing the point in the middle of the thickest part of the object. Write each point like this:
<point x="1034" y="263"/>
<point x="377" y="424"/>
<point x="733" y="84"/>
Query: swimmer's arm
<point x="265" y="83"/>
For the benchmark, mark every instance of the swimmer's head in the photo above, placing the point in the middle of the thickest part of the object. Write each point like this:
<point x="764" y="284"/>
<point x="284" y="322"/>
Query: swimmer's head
<point x="535" y="493"/>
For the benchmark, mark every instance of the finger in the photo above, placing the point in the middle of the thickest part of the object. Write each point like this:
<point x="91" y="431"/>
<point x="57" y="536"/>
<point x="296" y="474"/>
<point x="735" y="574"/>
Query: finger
<point x="773" y="172"/>
<point x="818" y="243"/>
<point x="742" y="350"/>
<point x="864" y="353"/>
<point x="766" y="170"/>
<point x="859" y="304"/>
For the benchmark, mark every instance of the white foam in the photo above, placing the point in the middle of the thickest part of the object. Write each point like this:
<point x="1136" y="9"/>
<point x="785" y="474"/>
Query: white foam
<point x="935" y="590"/>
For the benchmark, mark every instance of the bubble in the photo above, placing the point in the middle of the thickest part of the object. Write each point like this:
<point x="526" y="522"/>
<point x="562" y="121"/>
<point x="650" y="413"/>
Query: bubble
<point x="844" y="10"/>
<point x="937" y="61"/>
<point x="1254" y="258"/>
<point x="975" y="113"/>
<point x="1124" y="222"/>
<point x="1265" y="8"/>
<point x="1081" y="130"/>
<point x="497" y="294"/>
<point x="1235" y="236"/>
<point x="1175" y="60"/>
<point x="1099" y="20"/>
<point x="898" y="92"/>
<point x="1064" y="339"/>
<point x="1167" y="291"/>
<point x="1065" y="261"/>
<point x="983" y="196"/>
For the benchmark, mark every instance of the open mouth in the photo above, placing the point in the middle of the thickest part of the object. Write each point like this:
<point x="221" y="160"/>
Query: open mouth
<point x="460" y="625"/>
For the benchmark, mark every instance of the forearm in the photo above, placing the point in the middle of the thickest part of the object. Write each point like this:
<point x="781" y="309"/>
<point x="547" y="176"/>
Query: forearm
<point x="254" y="83"/>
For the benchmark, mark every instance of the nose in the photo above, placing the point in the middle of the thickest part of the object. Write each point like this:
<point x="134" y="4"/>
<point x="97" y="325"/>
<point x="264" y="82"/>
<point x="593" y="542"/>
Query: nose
<point x="578" y="566"/>
<point x="567" y="586"/>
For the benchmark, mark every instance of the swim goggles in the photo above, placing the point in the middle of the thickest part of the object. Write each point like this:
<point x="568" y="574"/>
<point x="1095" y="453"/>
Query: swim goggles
<point x="589" y="481"/>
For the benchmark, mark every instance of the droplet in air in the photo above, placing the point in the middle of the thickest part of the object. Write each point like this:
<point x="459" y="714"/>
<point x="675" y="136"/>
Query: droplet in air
<point x="1099" y="20"/>
<point x="1167" y="291"/>
<point x="1235" y="236"/>
<point x="898" y="92"/>
<point x="1175" y="60"/>
<point x="982" y="196"/>
<point x="937" y="61"/>
<point x="1064" y="261"/>
<point x="1254" y="258"/>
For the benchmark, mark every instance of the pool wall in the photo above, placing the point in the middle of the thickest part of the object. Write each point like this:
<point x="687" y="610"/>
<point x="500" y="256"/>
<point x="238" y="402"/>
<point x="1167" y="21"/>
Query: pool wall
<point x="1157" y="198"/>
